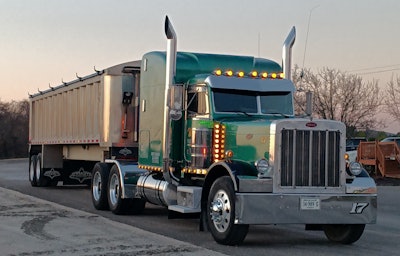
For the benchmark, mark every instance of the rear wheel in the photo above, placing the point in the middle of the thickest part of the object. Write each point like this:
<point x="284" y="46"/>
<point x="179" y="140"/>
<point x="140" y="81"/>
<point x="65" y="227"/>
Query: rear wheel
<point x="345" y="234"/>
<point x="100" y="175"/>
<point x="221" y="213"/>
<point x="117" y="204"/>
<point x="32" y="170"/>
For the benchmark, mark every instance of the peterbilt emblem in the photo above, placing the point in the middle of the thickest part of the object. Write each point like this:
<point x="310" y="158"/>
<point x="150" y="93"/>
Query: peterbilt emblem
<point x="311" y="124"/>
<point x="81" y="175"/>
<point x="52" y="173"/>
<point x="358" y="208"/>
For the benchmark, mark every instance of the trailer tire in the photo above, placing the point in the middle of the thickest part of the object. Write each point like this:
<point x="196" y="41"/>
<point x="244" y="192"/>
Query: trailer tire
<point x="32" y="170"/>
<point x="41" y="180"/>
<point x="345" y="234"/>
<point x="221" y="213"/>
<point x="115" y="201"/>
<point x="100" y="175"/>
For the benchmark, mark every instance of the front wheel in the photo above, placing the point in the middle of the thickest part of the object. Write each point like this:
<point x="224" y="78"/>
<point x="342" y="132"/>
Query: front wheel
<point x="221" y="213"/>
<point x="345" y="234"/>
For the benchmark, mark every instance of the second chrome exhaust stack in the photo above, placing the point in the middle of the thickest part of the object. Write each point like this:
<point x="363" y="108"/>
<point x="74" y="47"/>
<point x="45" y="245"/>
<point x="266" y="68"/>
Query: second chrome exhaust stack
<point x="287" y="53"/>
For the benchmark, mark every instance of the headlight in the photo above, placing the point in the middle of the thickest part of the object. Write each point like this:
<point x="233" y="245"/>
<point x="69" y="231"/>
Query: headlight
<point x="355" y="168"/>
<point x="263" y="168"/>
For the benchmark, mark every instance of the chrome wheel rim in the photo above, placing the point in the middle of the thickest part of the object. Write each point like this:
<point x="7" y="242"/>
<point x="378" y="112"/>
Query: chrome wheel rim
<point x="37" y="170"/>
<point x="114" y="189"/>
<point x="96" y="189"/>
<point x="31" y="170"/>
<point x="221" y="211"/>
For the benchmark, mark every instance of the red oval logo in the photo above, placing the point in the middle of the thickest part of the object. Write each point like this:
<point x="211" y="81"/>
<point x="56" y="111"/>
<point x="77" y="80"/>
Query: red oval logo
<point x="311" y="124"/>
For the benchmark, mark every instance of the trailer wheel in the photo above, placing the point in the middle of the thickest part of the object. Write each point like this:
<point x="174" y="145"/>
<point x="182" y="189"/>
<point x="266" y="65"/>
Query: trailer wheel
<point x="345" y="234"/>
<point x="41" y="180"/>
<point x="100" y="175"/>
<point x="32" y="171"/>
<point x="221" y="213"/>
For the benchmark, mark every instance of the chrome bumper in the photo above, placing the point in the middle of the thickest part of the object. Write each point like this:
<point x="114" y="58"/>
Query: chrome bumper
<point x="268" y="208"/>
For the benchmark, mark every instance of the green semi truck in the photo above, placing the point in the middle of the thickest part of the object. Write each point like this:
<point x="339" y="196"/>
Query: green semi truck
<point x="206" y="134"/>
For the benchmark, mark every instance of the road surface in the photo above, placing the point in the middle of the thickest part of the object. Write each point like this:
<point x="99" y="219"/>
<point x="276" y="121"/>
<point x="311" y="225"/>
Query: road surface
<point x="382" y="238"/>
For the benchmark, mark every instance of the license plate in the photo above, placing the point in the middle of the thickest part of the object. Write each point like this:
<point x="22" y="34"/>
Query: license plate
<point x="310" y="204"/>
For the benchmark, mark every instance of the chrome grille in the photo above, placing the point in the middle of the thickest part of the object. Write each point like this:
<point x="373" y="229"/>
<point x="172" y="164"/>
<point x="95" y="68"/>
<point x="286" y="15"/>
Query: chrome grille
<point x="310" y="158"/>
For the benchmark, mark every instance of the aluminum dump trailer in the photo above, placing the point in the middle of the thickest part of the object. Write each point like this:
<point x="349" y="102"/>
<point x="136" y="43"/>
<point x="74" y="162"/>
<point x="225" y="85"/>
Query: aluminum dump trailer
<point x="82" y="122"/>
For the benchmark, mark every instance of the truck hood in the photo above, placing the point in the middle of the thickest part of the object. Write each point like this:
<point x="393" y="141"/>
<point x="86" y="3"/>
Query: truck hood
<point x="248" y="139"/>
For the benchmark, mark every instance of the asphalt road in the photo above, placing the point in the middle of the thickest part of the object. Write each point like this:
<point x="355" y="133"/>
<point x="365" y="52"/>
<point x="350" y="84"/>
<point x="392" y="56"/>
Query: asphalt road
<point x="382" y="238"/>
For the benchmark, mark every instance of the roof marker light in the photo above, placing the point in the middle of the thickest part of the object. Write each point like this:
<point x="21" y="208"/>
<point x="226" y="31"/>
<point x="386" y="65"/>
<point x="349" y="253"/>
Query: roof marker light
<point x="240" y="74"/>
<point x="281" y="75"/>
<point x="218" y="72"/>
<point x="253" y="74"/>
<point x="273" y="75"/>
<point x="229" y="73"/>
<point x="264" y="75"/>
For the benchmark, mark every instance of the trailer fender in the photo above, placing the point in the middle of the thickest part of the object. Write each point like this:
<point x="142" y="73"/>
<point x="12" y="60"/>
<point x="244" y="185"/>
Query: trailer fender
<point x="129" y="174"/>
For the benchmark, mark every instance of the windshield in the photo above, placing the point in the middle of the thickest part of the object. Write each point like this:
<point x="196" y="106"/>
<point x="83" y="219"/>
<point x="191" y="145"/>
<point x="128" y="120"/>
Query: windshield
<point x="251" y="102"/>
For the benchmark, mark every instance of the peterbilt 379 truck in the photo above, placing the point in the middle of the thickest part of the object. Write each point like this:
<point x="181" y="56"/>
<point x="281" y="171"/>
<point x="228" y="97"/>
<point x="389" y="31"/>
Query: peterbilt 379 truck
<point x="201" y="133"/>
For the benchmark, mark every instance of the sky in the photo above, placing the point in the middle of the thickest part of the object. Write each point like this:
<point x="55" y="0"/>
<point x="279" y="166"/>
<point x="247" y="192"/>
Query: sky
<point x="45" y="42"/>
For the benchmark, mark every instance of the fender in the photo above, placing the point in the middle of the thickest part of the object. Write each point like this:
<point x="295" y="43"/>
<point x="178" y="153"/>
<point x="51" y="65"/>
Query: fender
<point x="233" y="169"/>
<point x="129" y="174"/>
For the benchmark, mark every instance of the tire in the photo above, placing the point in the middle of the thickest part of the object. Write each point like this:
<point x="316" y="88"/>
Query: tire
<point x="115" y="201"/>
<point x="41" y="180"/>
<point x="100" y="175"/>
<point x="221" y="213"/>
<point x="345" y="234"/>
<point x="32" y="172"/>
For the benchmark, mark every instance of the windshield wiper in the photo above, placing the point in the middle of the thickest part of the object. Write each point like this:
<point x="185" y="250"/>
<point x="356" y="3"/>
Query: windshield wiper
<point x="243" y="112"/>
<point x="278" y="113"/>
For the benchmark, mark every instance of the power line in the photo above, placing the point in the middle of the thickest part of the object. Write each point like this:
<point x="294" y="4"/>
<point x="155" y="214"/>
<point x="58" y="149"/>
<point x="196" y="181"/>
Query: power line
<point x="373" y="68"/>
<point x="379" y="71"/>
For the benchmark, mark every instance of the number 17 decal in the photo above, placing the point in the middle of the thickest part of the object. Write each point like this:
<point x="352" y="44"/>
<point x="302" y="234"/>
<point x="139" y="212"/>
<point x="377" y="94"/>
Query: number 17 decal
<point x="358" y="208"/>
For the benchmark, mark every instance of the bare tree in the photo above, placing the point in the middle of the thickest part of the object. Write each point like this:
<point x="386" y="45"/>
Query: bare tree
<point x="339" y="96"/>
<point x="392" y="99"/>
<point x="14" y="122"/>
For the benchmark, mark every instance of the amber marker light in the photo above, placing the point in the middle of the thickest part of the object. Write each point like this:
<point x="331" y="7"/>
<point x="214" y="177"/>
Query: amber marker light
<point x="229" y="73"/>
<point x="218" y="72"/>
<point x="264" y="75"/>
<point x="229" y="154"/>
<point x="218" y="142"/>
<point x="273" y="75"/>
<point x="240" y="74"/>
<point x="281" y="75"/>
<point x="253" y="74"/>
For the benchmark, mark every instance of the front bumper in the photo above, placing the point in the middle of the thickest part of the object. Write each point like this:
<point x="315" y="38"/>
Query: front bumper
<point x="268" y="208"/>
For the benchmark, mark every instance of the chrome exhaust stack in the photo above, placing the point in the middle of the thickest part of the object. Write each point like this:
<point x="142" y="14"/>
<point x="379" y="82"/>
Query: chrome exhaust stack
<point x="287" y="53"/>
<point x="172" y="98"/>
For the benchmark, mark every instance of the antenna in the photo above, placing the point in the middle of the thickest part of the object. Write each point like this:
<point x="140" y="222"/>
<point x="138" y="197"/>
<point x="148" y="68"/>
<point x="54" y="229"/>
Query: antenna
<point x="305" y="46"/>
